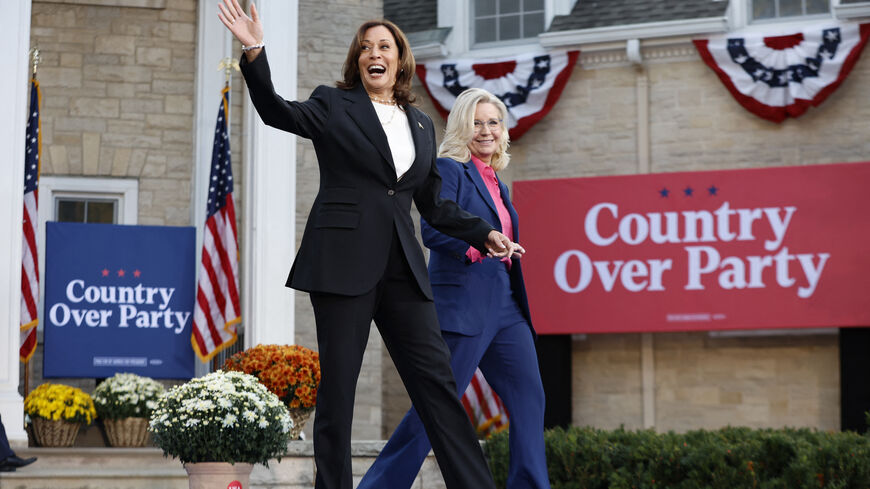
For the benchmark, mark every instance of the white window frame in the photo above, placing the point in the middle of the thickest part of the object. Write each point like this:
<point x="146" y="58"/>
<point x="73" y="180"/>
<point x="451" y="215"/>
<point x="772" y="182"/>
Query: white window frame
<point x="791" y="17"/>
<point x="521" y="40"/>
<point x="739" y="18"/>
<point x="458" y="14"/>
<point x="125" y="191"/>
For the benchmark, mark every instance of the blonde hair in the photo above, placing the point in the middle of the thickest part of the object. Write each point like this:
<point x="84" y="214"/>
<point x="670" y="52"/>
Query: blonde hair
<point x="460" y="128"/>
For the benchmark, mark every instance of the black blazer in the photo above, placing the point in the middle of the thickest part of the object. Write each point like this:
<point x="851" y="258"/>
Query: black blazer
<point x="350" y="226"/>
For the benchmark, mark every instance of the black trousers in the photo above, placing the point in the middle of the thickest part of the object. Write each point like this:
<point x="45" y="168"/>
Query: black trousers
<point x="409" y="327"/>
<point x="5" y="449"/>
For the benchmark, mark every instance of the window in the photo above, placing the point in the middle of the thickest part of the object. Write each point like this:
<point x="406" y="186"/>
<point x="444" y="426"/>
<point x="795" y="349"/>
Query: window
<point x="505" y="20"/>
<point x="83" y="209"/>
<point x="775" y="9"/>
<point x="94" y="200"/>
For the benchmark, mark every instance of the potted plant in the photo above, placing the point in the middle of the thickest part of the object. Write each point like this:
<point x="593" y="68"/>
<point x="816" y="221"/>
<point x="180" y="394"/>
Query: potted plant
<point x="291" y="372"/>
<point x="219" y="425"/>
<point x="125" y="402"/>
<point x="57" y="412"/>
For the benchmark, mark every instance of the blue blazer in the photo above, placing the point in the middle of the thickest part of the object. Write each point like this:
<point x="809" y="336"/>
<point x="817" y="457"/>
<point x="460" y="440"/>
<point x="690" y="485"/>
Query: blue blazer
<point x="463" y="290"/>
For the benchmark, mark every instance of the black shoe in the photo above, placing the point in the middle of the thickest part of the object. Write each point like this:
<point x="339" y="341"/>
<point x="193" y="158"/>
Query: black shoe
<point x="15" y="461"/>
<point x="7" y="468"/>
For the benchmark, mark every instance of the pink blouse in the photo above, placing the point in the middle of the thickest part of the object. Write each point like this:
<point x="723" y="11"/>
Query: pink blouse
<point x="504" y="216"/>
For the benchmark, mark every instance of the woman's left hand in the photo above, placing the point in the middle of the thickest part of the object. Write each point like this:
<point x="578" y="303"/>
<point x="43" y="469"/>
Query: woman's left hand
<point x="499" y="246"/>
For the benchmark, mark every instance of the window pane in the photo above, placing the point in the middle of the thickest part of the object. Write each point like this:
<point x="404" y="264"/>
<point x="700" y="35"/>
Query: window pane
<point x="788" y="8"/>
<point x="102" y="212"/>
<point x="508" y="6"/>
<point x="484" y="30"/>
<point x="529" y="5"/>
<point x="818" y="6"/>
<point x="509" y="27"/>
<point x="70" y="211"/>
<point x="484" y="7"/>
<point x="533" y="24"/>
<point x="763" y="9"/>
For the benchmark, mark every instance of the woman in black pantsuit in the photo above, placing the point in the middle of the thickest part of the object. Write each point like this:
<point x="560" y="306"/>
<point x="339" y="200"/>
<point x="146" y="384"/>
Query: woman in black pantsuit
<point x="358" y="258"/>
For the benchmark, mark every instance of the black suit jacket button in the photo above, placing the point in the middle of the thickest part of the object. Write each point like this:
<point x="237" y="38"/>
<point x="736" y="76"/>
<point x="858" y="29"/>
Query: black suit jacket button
<point x="391" y="192"/>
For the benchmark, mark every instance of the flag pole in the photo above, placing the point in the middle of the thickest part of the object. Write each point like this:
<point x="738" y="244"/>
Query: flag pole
<point x="34" y="58"/>
<point x="227" y="64"/>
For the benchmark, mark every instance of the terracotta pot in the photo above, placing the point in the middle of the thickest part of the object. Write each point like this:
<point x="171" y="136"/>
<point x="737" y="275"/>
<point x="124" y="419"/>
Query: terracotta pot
<point x="218" y="475"/>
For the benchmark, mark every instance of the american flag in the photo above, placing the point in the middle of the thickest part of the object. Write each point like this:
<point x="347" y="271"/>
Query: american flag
<point x="217" y="297"/>
<point x="484" y="407"/>
<point x="29" y="261"/>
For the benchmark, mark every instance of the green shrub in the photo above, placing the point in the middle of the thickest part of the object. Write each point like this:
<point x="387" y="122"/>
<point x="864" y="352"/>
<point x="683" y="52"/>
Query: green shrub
<point x="729" y="458"/>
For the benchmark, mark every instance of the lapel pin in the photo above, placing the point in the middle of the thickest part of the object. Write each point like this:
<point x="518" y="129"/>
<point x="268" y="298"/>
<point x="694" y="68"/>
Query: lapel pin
<point x="421" y="125"/>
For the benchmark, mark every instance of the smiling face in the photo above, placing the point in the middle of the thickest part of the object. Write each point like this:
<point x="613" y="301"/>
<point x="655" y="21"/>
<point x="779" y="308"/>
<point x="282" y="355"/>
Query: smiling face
<point x="488" y="130"/>
<point x="378" y="62"/>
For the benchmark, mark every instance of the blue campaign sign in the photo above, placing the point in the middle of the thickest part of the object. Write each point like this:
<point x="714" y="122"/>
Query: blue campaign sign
<point x="118" y="299"/>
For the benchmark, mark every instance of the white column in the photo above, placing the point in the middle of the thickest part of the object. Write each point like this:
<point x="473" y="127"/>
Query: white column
<point x="269" y="224"/>
<point x="213" y="43"/>
<point x="15" y="35"/>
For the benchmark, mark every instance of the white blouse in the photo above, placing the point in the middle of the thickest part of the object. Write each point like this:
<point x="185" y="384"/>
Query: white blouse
<point x="395" y="123"/>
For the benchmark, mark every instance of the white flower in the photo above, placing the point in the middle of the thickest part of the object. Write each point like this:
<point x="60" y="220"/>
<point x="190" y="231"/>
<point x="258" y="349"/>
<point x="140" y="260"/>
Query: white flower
<point x="229" y="420"/>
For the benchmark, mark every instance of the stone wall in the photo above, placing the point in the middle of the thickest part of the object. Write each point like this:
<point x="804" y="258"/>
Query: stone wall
<point x="118" y="89"/>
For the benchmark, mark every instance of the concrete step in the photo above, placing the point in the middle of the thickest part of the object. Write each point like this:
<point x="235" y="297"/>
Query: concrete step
<point x="147" y="468"/>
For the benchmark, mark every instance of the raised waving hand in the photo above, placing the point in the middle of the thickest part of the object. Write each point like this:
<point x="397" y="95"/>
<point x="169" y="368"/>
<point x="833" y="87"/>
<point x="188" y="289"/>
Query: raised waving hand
<point x="247" y="29"/>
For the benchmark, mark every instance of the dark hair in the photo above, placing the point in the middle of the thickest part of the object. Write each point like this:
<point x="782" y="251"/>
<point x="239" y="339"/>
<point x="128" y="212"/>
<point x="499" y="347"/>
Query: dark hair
<point x="350" y="71"/>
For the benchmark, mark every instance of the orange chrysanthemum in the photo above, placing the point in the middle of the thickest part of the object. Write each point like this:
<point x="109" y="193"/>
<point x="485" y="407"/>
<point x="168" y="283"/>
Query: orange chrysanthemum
<point x="291" y="372"/>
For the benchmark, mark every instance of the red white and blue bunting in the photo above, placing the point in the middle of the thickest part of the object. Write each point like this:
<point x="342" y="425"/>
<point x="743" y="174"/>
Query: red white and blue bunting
<point x="775" y="77"/>
<point x="528" y="84"/>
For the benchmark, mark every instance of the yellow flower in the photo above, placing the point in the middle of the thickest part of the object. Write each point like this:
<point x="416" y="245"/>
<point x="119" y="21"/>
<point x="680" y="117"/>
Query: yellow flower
<point x="58" y="401"/>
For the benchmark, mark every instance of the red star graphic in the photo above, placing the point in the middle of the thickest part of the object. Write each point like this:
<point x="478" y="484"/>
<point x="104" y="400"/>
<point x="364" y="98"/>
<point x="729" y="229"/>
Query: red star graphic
<point x="105" y="272"/>
<point x="121" y="272"/>
<point x="136" y="273"/>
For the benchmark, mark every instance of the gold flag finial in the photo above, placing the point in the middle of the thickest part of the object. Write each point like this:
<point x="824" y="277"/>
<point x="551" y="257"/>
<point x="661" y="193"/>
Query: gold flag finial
<point x="34" y="58"/>
<point x="228" y="65"/>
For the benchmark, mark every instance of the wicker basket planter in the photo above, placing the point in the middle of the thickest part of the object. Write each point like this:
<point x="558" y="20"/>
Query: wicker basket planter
<point x="58" y="433"/>
<point x="127" y="432"/>
<point x="300" y="417"/>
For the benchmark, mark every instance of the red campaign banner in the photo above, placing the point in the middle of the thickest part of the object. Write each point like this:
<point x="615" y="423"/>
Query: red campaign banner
<point x="760" y="248"/>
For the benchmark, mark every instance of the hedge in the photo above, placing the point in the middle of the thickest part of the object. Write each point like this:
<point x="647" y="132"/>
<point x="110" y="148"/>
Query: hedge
<point x="729" y="458"/>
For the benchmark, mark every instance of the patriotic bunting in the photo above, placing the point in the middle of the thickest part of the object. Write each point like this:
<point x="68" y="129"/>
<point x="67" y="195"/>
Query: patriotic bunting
<point x="29" y="260"/>
<point x="484" y="407"/>
<point x="217" y="309"/>
<point x="528" y="84"/>
<point x="775" y="77"/>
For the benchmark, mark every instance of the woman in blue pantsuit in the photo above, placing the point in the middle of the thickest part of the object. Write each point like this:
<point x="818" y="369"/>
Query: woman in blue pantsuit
<point x="481" y="302"/>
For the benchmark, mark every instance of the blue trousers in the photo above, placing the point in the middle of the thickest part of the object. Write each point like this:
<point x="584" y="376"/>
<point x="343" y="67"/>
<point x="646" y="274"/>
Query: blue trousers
<point x="505" y="353"/>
